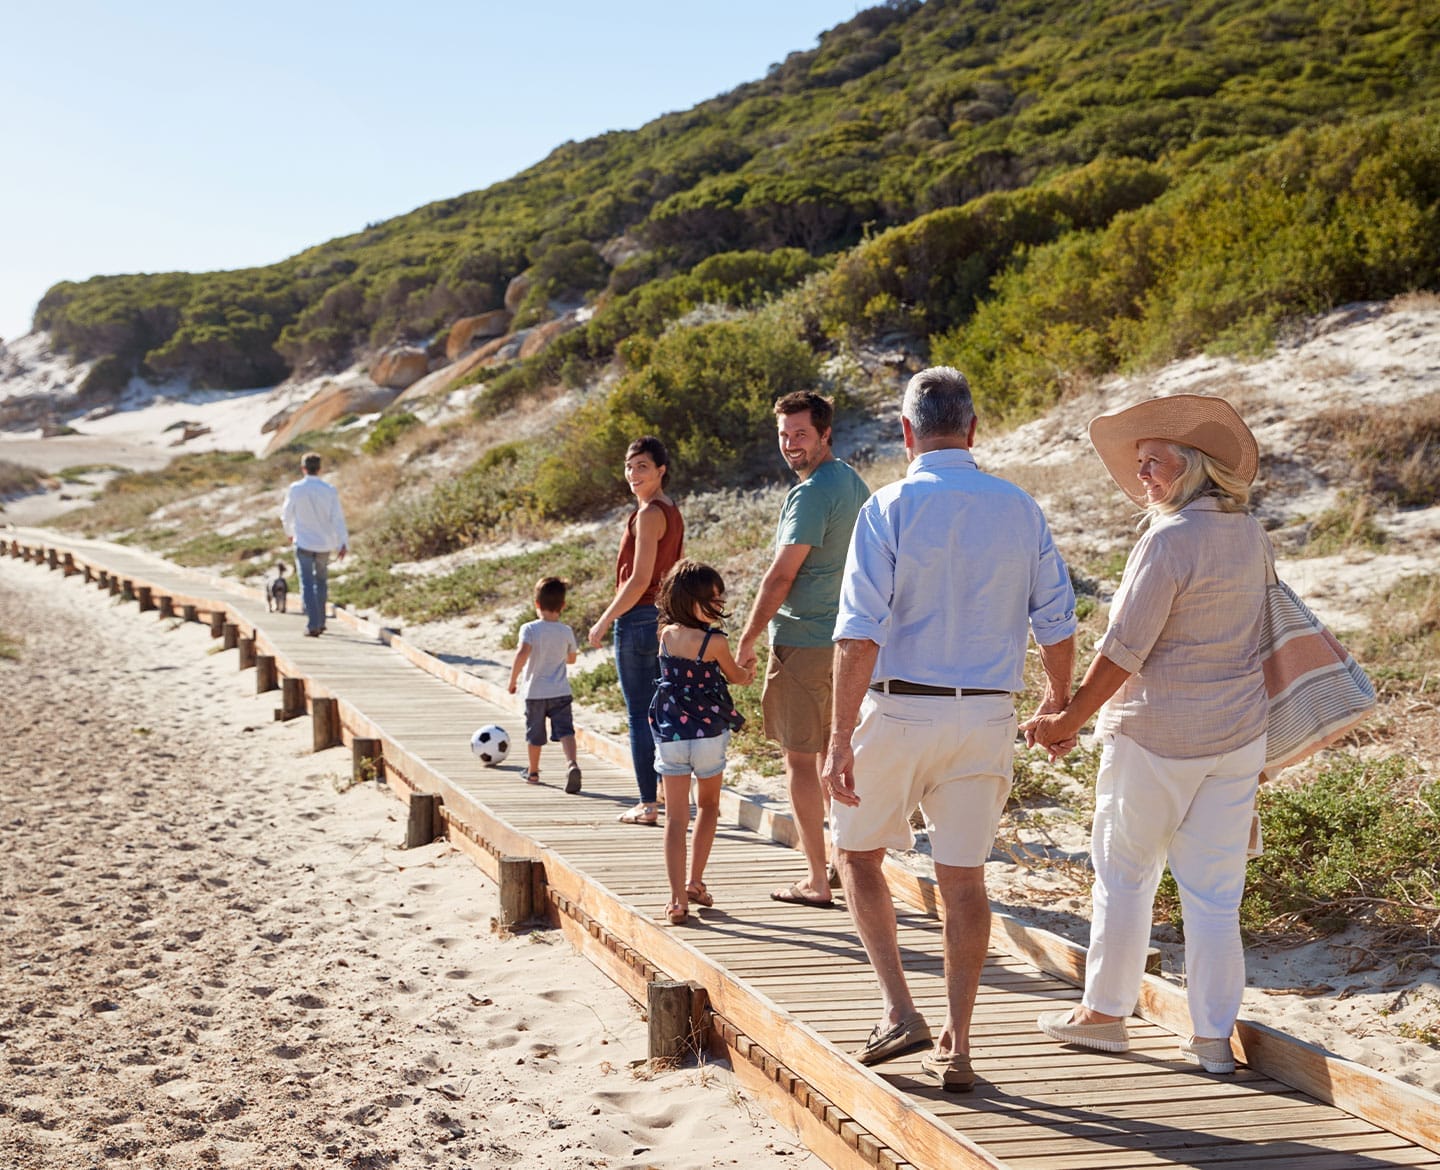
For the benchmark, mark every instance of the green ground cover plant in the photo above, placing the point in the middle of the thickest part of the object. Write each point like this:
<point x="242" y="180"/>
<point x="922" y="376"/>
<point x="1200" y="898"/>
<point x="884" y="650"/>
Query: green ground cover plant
<point x="9" y="647"/>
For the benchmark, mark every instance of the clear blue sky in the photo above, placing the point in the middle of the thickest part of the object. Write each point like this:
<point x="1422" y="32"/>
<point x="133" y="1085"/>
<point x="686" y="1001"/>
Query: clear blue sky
<point x="160" y="136"/>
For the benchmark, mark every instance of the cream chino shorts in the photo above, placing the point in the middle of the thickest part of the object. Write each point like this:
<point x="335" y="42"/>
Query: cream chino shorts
<point x="950" y="757"/>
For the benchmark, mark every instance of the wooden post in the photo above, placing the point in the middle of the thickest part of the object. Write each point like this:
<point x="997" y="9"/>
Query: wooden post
<point x="669" y="1004"/>
<point x="1152" y="960"/>
<point x="114" y="585"/>
<point x="325" y="718"/>
<point x="166" y="605"/>
<point x="230" y="633"/>
<point x="127" y="590"/>
<point x="142" y="594"/>
<point x="217" y="623"/>
<point x="188" y="614"/>
<point x="265" y="673"/>
<point x="517" y="890"/>
<point x="70" y="567"/>
<point x="89" y="575"/>
<point x="367" y="761"/>
<point x="292" y="698"/>
<point x="52" y="559"/>
<point x="246" y="646"/>
<point x="420" y="827"/>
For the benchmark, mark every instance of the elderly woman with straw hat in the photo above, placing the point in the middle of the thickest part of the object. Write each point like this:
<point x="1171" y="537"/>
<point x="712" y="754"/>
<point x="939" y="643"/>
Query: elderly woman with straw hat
<point x="1180" y="695"/>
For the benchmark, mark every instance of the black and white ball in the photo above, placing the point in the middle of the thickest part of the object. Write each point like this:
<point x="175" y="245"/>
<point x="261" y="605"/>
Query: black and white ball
<point x="491" y="745"/>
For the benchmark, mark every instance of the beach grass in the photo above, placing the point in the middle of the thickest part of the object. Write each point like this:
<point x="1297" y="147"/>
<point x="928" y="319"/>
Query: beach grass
<point x="17" y="478"/>
<point x="9" y="647"/>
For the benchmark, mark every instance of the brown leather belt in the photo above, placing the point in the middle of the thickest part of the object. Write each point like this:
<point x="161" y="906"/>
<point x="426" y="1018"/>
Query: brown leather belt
<point x="898" y="686"/>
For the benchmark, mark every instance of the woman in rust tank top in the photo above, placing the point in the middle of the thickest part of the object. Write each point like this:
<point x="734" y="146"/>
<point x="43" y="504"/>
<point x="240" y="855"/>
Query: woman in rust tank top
<point x="653" y="541"/>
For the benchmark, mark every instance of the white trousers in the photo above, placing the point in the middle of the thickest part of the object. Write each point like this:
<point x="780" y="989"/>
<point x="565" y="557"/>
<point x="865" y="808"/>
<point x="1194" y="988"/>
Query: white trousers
<point x="1196" y="812"/>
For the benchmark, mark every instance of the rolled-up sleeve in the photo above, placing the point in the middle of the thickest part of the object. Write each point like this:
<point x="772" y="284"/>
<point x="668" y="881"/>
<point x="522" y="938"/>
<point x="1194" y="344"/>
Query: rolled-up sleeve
<point x="1052" y="599"/>
<point x="1141" y="608"/>
<point x="868" y="586"/>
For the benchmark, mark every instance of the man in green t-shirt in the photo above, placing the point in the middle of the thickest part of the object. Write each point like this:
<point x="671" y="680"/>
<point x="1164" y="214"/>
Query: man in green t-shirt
<point x="798" y="600"/>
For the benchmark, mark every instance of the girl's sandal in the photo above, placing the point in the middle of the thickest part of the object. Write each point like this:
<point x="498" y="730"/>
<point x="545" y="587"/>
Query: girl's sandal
<point x="532" y="777"/>
<point x="699" y="894"/>
<point x="676" y="913"/>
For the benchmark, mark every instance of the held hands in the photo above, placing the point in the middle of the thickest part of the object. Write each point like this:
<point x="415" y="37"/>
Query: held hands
<point x="746" y="659"/>
<point x="596" y="636"/>
<point x="1047" y="729"/>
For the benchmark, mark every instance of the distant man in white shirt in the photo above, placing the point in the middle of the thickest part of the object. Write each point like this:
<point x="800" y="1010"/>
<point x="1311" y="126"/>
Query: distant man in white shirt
<point x="315" y="524"/>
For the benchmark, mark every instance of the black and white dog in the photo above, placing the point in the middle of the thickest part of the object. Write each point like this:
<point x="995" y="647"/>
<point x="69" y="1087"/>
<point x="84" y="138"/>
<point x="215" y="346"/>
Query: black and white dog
<point x="277" y="591"/>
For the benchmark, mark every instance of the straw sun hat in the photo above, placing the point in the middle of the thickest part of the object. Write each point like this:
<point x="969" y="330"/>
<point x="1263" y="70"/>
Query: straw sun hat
<point x="1208" y="424"/>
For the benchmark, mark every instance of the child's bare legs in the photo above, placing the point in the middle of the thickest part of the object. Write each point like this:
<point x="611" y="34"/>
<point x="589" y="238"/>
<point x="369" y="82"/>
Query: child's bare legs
<point x="534" y="776"/>
<point x="677" y="824"/>
<point x="707" y="820"/>
<point x="567" y="745"/>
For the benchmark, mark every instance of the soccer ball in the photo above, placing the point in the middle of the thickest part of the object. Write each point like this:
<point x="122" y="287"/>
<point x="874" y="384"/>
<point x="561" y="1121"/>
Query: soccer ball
<point x="491" y="745"/>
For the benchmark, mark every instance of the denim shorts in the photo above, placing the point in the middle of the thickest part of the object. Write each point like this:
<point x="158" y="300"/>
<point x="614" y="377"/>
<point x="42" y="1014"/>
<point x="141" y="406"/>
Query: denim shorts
<point x="703" y="757"/>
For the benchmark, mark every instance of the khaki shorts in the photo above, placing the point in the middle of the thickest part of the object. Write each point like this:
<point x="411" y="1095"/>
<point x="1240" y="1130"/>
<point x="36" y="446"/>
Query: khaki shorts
<point x="796" y="699"/>
<point x="951" y="757"/>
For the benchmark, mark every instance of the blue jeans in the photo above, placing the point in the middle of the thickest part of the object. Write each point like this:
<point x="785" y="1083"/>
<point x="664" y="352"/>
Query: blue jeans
<point x="314" y="571"/>
<point x="637" y="661"/>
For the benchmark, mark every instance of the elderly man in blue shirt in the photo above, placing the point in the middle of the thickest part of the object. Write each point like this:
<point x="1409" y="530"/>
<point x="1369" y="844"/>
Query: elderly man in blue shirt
<point x="949" y="571"/>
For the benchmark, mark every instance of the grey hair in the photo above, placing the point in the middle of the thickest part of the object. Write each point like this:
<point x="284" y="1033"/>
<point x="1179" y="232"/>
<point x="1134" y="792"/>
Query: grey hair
<point x="1203" y="476"/>
<point x="937" y="402"/>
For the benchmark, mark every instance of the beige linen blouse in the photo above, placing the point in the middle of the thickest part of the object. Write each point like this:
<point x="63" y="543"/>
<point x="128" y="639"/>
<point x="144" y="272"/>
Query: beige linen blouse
<point x="1186" y="624"/>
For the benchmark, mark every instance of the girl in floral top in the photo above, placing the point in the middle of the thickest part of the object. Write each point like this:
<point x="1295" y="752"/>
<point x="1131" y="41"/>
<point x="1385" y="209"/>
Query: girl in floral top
<point x="691" y="718"/>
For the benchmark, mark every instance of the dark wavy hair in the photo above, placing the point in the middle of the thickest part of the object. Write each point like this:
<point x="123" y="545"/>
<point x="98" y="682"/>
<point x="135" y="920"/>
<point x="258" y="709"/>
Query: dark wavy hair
<point x="691" y="594"/>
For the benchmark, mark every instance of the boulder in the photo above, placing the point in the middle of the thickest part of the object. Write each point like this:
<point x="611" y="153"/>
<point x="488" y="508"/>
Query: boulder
<point x="399" y="367"/>
<point x="466" y="331"/>
<point x="516" y="290"/>
<point x="491" y="353"/>
<point x="540" y="337"/>
<point x="325" y="407"/>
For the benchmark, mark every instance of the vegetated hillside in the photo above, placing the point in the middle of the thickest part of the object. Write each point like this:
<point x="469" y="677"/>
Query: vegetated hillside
<point x="961" y="124"/>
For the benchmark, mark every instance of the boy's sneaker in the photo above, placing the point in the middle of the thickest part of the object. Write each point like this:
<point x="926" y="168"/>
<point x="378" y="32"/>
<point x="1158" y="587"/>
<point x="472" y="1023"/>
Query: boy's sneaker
<point x="572" y="778"/>
<point x="1214" y="1056"/>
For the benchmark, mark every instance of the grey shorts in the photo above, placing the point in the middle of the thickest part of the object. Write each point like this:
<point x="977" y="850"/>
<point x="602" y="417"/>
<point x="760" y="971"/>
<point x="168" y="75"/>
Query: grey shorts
<point x="557" y="710"/>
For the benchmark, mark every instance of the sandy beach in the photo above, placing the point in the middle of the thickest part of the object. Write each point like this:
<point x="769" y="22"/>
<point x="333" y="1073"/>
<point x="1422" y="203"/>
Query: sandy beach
<point x="217" y="954"/>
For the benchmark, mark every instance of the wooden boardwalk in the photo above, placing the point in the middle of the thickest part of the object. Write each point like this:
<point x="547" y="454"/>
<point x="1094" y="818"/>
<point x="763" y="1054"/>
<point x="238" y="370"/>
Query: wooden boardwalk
<point x="785" y="991"/>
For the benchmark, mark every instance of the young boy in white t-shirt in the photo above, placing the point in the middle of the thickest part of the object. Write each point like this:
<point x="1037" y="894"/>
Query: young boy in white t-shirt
<point x="547" y="647"/>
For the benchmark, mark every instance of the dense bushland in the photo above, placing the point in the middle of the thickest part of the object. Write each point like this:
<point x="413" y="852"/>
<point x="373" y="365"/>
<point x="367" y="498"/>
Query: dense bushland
<point x="1324" y="217"/>
<point x="905" y="110"/>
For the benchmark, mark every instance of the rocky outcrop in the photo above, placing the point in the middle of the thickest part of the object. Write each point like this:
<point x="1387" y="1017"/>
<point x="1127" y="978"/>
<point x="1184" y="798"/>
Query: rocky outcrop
<point x="400" y="367"/>
<point x="331" y="403"/>
<point x="516" y="291"/>
<point x="541" y="336"/>
<point x="468" y="330"/>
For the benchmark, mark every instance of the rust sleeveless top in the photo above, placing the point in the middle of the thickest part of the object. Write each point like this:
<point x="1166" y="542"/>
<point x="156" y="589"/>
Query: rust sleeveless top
<point x="666" y="553"/>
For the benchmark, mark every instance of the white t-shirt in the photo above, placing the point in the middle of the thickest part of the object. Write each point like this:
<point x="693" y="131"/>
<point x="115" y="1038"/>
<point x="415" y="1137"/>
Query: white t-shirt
<point x="545" y="675"/>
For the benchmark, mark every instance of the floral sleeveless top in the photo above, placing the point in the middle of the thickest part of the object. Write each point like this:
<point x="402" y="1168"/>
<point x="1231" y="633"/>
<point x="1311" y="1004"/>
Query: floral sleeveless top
<point x="691" y="699"/>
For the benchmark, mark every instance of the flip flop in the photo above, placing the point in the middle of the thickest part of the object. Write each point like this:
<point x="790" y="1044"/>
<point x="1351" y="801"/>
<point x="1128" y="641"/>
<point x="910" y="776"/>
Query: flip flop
<point x="639" y="816"/>
<point x="796" y="896"/>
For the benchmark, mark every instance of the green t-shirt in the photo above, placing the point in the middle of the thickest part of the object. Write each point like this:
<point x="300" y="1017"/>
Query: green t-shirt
<point x="819" y="511"/>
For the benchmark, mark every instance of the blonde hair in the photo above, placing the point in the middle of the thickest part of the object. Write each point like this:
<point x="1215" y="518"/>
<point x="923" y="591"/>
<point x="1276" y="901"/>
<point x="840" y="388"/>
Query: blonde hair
<point x="1204" y="475"/>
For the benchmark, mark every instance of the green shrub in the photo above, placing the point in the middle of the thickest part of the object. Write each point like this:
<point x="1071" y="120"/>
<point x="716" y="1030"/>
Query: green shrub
<point x="459" y="511"/>
<point x="708" y="392"/>
<point x="18" y="478"/>
<point x="387" y="429"/>
<point x="9" y="647"/>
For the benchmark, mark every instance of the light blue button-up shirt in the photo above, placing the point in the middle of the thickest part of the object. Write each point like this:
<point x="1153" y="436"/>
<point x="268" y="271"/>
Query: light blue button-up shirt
<point x="948" y="570"/>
